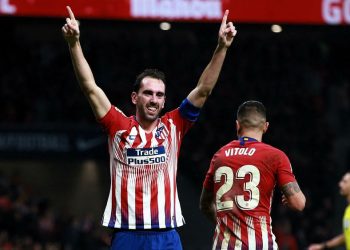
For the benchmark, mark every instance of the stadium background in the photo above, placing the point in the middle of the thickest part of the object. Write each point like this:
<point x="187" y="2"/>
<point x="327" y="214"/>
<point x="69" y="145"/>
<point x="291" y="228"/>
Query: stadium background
<point x="54" y="175"/>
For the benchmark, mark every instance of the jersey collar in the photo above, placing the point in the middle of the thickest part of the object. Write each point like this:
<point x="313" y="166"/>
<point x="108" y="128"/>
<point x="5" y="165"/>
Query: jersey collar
<point x="244" y="139"/>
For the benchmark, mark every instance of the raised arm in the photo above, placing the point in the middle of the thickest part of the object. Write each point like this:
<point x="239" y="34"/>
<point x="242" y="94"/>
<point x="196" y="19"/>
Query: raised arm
<point x="210" y="75"/>
<point x="293" y="197"/>
<point x="95" y="95"/>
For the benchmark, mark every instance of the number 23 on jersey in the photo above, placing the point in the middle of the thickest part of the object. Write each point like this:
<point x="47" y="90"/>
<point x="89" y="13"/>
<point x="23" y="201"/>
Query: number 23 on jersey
<point x="228" y="177"/>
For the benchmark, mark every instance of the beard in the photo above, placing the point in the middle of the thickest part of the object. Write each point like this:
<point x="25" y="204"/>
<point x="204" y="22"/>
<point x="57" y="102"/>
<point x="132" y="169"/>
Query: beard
<point x="147" y="115"/>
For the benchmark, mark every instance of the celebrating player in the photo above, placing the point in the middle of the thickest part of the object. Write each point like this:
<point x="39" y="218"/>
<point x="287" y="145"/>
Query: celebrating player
<point x="143" y="203"/>
<point x="238" y="188"/>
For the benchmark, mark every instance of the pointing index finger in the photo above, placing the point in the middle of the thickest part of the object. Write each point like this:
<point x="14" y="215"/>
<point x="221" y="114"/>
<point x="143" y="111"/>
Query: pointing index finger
<point x="224" y="18"/>
<point x="71" y="14"/>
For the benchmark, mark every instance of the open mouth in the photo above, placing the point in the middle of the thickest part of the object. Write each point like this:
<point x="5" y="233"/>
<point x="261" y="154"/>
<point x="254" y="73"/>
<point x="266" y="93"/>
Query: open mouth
<point x="152" y="109"/>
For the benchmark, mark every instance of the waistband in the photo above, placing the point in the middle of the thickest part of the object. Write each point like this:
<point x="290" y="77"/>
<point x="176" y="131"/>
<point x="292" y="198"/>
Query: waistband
<point x="143" y="231"/>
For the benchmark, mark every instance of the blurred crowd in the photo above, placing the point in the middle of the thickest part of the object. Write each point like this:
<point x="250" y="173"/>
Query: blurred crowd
<point x="29" y="222"/>
<point x="301" y="75"/>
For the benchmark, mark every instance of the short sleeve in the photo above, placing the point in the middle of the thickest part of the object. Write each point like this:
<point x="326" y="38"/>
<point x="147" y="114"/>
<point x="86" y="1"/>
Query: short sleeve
<point x="181" y="123"/>
<point x="208" y="183"/>
<point x="284" y="170"/>
<point x="113" y="120"/>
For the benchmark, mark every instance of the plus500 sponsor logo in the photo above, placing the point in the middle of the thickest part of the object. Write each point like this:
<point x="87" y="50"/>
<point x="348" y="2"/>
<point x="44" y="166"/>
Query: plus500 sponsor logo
<point x="144" y="156"/>
<point x="336" y="11"/>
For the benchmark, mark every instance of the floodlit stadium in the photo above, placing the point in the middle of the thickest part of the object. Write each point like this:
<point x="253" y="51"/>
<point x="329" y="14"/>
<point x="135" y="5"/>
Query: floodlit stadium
<point x="54" y="163"/>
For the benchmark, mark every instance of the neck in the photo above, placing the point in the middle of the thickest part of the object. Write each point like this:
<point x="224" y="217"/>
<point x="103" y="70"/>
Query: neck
<point x="252" y="134"/>
<point x="147" y="125"/>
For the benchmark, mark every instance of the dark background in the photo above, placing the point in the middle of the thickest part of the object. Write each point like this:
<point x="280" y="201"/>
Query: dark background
<point x="53" y="187"/>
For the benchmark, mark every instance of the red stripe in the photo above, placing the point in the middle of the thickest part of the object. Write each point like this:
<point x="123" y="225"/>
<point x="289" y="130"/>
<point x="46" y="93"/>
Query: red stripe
<point x="221" y="235"/>
<point x="167" y="186"/>
<point x="269" y="233"/>
<point x="139" y="197"/>
<point x="258" y="233"/>
<point x="167" y="197"/>
<point x="231" y="226"/>
<point x="124" y="197"/>
<point x="174" y="188"/>
<point x="154" y="201"/>
<point x="124" y="183"/>
<point x="244" y="232"/>
<point x="113" y="198"/>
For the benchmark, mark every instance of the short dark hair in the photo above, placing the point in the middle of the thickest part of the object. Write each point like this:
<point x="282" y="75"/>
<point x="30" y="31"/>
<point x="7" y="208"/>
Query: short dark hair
<point x="153" y="73"/>
<point x="251" y="114"/>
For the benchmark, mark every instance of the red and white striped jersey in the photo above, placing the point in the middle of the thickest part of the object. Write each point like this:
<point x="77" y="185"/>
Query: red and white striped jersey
<point x="143" y="168"/>
<point x="242" y="177"/>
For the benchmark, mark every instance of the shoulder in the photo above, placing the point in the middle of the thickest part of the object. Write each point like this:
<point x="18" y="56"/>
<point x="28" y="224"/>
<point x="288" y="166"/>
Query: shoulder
<point x="272" y="153"/>
<point x="271" y="148"/>
<point x="174" y="116"/>
<point x="115" y="119"/>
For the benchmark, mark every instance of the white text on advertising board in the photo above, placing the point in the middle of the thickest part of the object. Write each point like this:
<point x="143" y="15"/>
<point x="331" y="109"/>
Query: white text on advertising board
<point x="336" y="11"/>
<point x="195" y="9"/>
<point x="6" y="7"/>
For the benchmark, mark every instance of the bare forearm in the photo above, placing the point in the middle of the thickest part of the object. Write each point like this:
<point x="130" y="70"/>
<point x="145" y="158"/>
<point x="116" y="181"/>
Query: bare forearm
<point x="335" y="242"/>
<point x="81" y="68"/>
<point x="95" y="95"/>
<point x="294" y="197"/>
<point x="208" y="79"/>
<point x="211" y="73"/>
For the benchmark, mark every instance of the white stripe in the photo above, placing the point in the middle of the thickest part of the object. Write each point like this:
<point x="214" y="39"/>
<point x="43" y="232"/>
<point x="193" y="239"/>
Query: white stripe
<point x="147" y="216"/>
<point x="180" y="220"/>
<point x="131" y="137"/>
<point x="161" y="200"/>
<point x="154" y="141"/>
<point x="118" y="178"/>
<point x="251" y="233"/>
<point x="172" y="171"/>
<point x="274" y="244"/>
<point x="108" y="209"/>
<point x="264" y="234"/>
<point x="217" y="229"/>
<point x="171" y="183"/>
<point x="237" y="232"/>
<point x="107" y="212"/>
<point x="226" y="239"/>
<point x="143" y="138"/>
<point x="118" y="194"/>
<point x="178" y="214"/>
<point x="131" y="186"/>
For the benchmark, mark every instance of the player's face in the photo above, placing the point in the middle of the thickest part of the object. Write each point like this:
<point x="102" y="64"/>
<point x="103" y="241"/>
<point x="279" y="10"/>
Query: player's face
<point x="150" y="99"/>
<point x="344" y="185"/>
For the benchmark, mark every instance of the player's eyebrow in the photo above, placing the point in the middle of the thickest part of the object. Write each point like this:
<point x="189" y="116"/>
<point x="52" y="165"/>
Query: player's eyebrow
<point x="150" y="92"/>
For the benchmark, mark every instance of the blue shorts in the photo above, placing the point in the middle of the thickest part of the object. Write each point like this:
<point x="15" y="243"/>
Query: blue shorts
<point x="146" y="240"/>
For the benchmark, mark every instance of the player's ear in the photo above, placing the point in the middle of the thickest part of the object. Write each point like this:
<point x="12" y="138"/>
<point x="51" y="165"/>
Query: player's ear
<point x="238" y="126"/>
<point x="134" y="97"/>
<point x="266" y="126"/>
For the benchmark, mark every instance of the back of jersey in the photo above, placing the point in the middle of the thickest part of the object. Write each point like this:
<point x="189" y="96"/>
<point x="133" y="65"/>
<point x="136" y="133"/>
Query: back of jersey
<point x="242" y="176"/>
